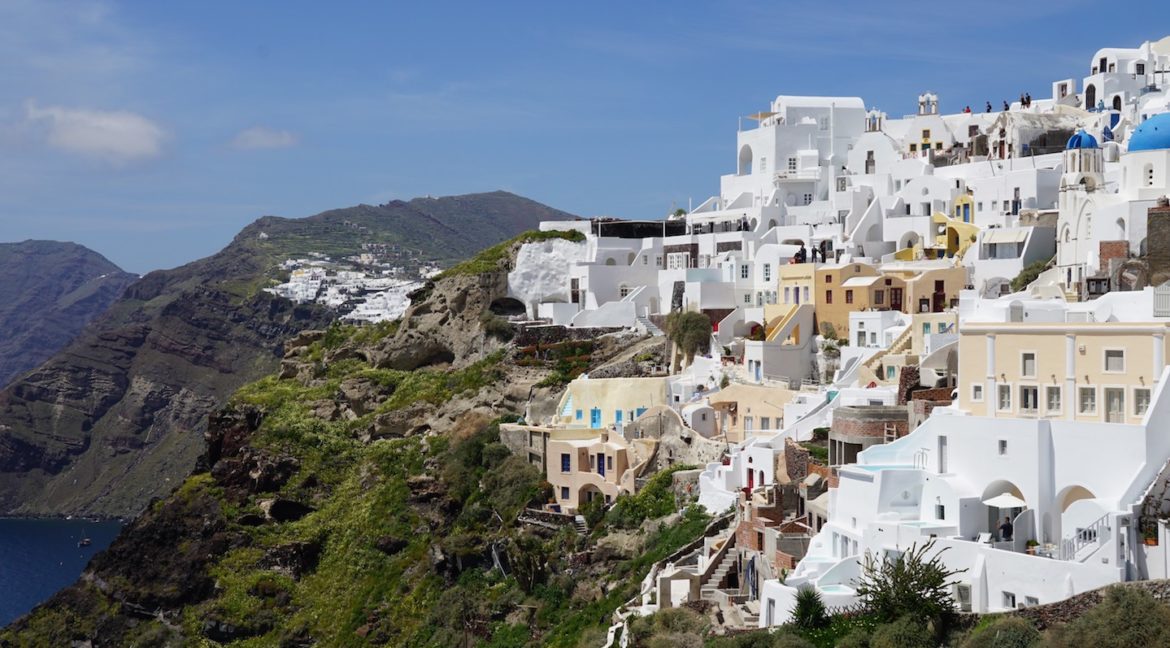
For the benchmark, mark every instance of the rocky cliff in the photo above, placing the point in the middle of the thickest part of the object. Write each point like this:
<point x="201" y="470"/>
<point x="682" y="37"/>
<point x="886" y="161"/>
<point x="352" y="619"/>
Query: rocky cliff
<point x="116" y="418"/>
<point x="361" y="496"/>
<point x="51" y="290"/>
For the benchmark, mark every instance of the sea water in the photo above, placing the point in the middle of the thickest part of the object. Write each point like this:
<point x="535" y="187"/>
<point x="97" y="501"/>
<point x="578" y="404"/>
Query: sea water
<point x="39" y="557"/>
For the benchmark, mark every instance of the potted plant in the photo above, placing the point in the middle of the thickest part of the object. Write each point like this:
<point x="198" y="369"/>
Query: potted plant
<point x="1150" y="535"/>
<point x="1030" y="547"/>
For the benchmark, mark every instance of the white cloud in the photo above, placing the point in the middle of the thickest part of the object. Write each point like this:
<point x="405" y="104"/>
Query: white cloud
<point x="115" y="136"/>
<point x="259" y="137"/>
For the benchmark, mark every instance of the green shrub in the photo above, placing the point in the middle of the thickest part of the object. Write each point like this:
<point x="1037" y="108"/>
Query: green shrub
<point x="906" y="632"/>
<point x="810" y="612"/>
<point x="917" y="583"/>
<point x="1127" y="616"/>
<point x="858" y="638"/>
<point x="785" y="639"/>
<point x="1004" y="632"/>
<point x="1029" y="274"/>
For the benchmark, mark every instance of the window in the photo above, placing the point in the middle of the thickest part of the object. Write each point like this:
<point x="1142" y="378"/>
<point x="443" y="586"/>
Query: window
<point x="624" y="291"/>
<point x="1141" y="401"/>
<point x="645" y="259"/>
<point x="828" y="296"/>
<point x="879" y="297"/>
<point x="873" y="338"/>
<point x="1009" y="600"/>
<point x="767" y="272"/>
<point x="744" y="271"/>
<point x="1002" y="446"/>
<point x="792" y="165"/>
<point x="1088" y="397"/>
<point x="805" y="291"/>
<point x="938" y="146"/>
<point x="566" y="462"/>
<point x="1029" y="398"/>
<point x="1141" y="68"/>
<point x="940" y="512"/>
<point x="913" y="148"/>
<point x="787" y="295"/>
<point x="580" y="415"/>
<point x="564" y="492"/>
<point x="1005" y="398"/>
<point x="1030" y="601"/>
<point x="747" y="298"/>
<point x="926" y="328"/>
<point x="747" y="423"/>
<point x="977" y="393"/>
<point x="1028" y="365"/>
<point x="1052" y="398"/>
<point x="609" y="462"/>
<point x="828" y="278"/>
<point x="925" y="133"/>
<point x="765" y="423"/>
<point x="763" y="164"/>
<point x="849" y="296"/>
<point x="1115" y="361"/>
<point x="808" y="199"/>
<point x="891" y="373"/>
<point x="941" y="327"/>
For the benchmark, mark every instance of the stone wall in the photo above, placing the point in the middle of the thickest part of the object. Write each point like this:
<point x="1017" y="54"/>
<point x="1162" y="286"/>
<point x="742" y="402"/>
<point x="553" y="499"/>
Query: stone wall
<point x="531" y="335"/>
<point x="1075" y="607"/>
<point x="1110" y="251"/>
<point x="869" y="421"/>
<point x="1158" y="243"/>
<point x="727" y="246"/>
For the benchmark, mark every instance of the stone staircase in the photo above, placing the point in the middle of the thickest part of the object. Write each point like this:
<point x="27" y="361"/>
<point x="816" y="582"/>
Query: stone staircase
<point x="580" y="526"/>
<point x="649" y="326"/>
<point x="715" y="580"/>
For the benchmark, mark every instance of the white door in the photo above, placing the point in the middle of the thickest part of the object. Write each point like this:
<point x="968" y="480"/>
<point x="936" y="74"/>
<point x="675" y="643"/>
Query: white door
<point x="1114" y="405"/>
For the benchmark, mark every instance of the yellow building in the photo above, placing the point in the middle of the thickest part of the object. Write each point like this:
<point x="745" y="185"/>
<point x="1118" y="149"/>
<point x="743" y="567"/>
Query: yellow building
<point x="1076" y="371"/>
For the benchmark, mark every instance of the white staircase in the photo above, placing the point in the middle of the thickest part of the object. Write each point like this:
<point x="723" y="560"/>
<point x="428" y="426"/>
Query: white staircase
<point x="580" y="526"/>
<point x="715" y="580"/>
<point x="645" y="323"/>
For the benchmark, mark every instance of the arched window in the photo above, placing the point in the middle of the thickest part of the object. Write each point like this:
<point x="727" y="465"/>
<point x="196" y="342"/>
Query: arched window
<point x="1117" y="102"/>
<point x="1090" y="96"/>
<point x="745" y="160"/>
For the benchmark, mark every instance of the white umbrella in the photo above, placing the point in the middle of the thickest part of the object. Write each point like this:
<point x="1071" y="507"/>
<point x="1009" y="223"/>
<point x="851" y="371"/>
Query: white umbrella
<point x="1005" y="501"/>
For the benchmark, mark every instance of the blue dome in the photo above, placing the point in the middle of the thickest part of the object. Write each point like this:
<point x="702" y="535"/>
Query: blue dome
<point x="1154" y="133"/>
<point x="1081" y="140"/>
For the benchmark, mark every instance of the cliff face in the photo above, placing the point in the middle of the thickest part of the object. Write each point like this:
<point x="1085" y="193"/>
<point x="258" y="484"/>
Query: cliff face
<point x="51" y="290"/>
<point x="115" y="418"/>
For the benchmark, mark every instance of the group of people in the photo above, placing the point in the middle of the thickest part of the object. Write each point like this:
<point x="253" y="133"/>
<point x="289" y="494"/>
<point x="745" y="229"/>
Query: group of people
<point x="802" y="255"/>
<point x="1025" y="102"/>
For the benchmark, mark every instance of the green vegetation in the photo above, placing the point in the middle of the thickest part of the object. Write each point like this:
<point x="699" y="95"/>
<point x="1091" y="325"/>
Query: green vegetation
<point x="1029" y="274"/>
<point x="810" y="613"/>
<point x="1003" y="632"/>
<point x="916" y="583"/>
<point x="490" y="259"/>
<point x="1126" y="617"/>
<point x="655" y="500"/>
<point x="566" y="359"/>
<point x="817" y="451"/>
<point x="690" y="331"/>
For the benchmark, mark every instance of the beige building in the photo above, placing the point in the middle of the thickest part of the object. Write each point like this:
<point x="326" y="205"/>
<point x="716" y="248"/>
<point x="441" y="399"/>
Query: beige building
<point x="745" y="410"/>
<point x="1077" y="371"/>
<point x="583" y="465"/>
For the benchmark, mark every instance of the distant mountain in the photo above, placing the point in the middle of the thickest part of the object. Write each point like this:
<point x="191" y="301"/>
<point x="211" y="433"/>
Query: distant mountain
<point x="50" y="291"/>
<point x="116" y="418"/>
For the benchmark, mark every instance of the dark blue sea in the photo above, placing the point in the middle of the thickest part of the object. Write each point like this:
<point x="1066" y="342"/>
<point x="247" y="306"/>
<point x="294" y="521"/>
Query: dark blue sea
<point x="39" y="557"/>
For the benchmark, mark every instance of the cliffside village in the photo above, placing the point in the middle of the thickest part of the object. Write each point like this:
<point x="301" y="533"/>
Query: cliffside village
<point x="945" y="327"/>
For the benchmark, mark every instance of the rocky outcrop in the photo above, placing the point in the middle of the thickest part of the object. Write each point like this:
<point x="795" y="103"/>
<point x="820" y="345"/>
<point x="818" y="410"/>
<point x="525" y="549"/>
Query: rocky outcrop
<point x="116" y="418"/>
<point x="51" y="290"/>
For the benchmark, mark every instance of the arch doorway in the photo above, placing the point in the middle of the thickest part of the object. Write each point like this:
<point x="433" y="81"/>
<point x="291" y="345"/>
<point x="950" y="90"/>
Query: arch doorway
<point x="745" y="160"/>
<point x="1090" y="96"/>
<point x="1117" y="102"/>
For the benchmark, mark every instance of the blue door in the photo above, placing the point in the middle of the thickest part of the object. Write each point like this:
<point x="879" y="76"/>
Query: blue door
<point x="601" y="464"/>
<point x="640" y="411"/>
<point x="617" y="417"/>
<point x="595" y="418"/>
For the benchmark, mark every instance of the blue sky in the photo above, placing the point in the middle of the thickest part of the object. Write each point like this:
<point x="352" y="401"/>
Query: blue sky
<point x="153" y="131"/>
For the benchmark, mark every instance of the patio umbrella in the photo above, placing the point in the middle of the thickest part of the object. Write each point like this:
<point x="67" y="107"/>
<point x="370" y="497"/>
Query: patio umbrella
<point x="1005" y="501"/>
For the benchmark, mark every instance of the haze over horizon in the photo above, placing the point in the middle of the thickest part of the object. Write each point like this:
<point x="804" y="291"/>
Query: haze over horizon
<point x="153" y="132"/>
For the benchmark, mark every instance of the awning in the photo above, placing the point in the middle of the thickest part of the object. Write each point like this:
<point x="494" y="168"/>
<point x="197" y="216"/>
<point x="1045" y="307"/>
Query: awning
<point x="854" y="282"/>
<point x="760" y="116"/>
<point x="1005" y="501"/>
<point x="1005" y="236"/>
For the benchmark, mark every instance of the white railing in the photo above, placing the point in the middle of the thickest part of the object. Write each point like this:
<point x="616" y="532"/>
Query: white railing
<point x="1094" y="534"/>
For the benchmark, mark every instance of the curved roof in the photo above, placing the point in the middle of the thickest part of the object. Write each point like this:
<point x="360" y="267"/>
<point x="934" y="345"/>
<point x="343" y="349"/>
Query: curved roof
<point x="1081" y="140"/>
<point x="1153" y="134"/>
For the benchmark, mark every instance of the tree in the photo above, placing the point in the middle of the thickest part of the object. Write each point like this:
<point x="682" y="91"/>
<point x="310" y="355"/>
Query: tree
<point x="916" y="584"/>
<point x="690" y="332"/>
<point x="810" y="613"/>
